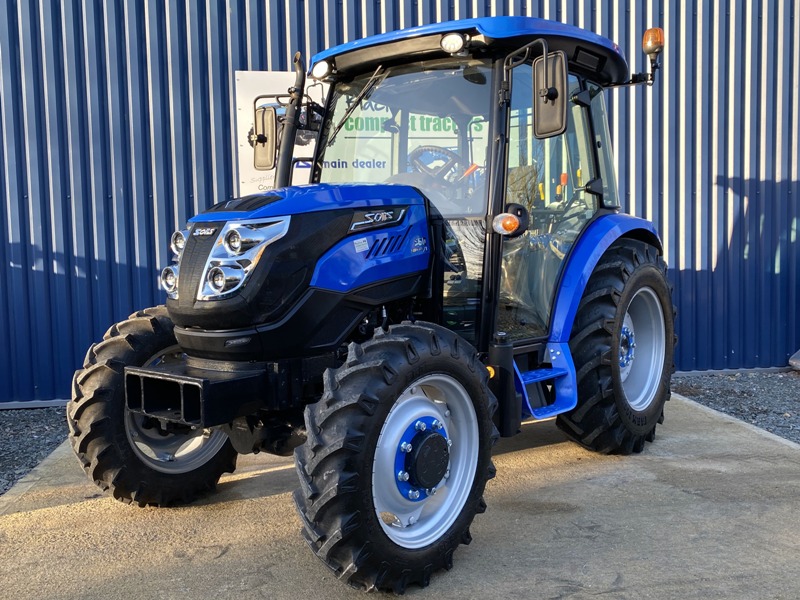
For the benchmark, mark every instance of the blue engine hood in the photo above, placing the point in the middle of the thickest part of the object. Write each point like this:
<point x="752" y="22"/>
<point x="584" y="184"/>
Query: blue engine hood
<point x="310" y="198"/>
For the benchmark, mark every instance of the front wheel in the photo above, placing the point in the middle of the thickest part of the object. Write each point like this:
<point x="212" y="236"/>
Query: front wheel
<point x="135" y="457"/>
<point x="397" y="457"/>
<point x="622" y="344"/>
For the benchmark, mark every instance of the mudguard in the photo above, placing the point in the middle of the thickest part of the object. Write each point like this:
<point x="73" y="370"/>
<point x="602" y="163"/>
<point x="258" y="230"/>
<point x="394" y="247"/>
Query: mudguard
<point x="592" y="243"/>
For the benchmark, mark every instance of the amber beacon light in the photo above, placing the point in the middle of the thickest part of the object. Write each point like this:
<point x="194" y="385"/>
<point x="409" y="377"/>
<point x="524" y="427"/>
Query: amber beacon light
<point x="652" y="45"/>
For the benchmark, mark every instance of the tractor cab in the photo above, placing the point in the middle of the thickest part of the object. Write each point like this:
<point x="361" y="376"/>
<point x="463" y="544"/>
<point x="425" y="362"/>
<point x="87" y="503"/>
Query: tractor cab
<point x="485" y="117"/>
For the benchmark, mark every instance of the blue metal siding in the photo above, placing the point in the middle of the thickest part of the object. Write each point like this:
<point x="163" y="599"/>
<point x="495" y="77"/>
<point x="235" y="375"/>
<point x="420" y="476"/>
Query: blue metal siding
<point x="116" y="126"/>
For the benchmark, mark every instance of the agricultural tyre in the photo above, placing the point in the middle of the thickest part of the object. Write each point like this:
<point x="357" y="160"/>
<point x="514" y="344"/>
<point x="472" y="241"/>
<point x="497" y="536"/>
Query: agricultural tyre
<point x="134" y="457"/>
<point x="397" y="457"/>
<point x="622" y="344"/>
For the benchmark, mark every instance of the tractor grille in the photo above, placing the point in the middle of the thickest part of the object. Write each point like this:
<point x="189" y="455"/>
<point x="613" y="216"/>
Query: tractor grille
<point x="193" y="261"/>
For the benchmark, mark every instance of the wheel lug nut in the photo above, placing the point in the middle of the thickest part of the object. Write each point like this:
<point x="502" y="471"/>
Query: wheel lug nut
<point x="420" y="426"/>
<point x="447" y="474"/>
<point x="405" y="447"/>
<point x="436" y="425"/>
<point x="447" y="413"/>
<point x="413" y="494"/>
<point x="449" y="443"/>
<point x="402" y="476"/>
<point x="411" y="520"/>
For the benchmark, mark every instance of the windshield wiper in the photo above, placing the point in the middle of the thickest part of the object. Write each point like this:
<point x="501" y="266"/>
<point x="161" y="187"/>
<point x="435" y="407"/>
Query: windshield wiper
<point x="368" y="87"/>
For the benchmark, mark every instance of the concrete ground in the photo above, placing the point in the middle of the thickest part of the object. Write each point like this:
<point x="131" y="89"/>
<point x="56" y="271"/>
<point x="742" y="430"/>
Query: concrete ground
<point x="710" y="510"/>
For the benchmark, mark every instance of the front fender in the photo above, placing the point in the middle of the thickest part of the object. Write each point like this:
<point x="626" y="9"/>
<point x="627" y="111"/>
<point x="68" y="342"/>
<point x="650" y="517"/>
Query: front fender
<point x="589" y="247"/>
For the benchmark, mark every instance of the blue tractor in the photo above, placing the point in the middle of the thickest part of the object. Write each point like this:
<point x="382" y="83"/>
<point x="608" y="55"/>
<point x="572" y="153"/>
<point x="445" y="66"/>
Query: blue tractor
<point x="458" y="264"/>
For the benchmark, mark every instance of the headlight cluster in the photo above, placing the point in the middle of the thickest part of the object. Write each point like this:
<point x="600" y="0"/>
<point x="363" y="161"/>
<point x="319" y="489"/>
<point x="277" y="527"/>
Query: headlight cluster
<point x="235" y="253"/>
<point x="169" y="276"/>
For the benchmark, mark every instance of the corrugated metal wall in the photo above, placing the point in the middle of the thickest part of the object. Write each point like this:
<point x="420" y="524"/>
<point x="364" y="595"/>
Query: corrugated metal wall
<point x="116" y="125"/>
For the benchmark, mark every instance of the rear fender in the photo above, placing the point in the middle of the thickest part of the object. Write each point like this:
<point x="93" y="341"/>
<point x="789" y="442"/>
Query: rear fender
<point x="599" y="235"/>
<point x="581" y="262"/>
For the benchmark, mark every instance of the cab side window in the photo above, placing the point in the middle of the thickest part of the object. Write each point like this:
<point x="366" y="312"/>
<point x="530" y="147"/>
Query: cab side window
<point x="547" y="177"/>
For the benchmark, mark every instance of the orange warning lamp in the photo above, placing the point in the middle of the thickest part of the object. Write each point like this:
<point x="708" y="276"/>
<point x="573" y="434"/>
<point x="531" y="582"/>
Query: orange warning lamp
<point x="652" y="45"/>
<point x="506" y="223"/>
<point x="653" y="42"/>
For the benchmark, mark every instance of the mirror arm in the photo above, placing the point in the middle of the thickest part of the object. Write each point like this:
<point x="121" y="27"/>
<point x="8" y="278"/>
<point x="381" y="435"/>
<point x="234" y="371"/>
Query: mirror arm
<point x="283" y="171"/>
<point x="518" y="57"/>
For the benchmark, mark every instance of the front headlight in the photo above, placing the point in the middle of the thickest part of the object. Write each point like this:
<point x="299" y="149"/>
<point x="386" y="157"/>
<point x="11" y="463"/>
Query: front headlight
<point x="236" y="252"/>
<point x="178" y="242"/>
<point x="169" y="281"/>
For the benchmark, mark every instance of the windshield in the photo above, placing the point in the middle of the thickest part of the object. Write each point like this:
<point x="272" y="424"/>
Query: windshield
<point x="423" y="124"/>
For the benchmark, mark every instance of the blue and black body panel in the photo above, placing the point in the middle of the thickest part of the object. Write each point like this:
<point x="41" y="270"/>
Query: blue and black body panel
<point x="340" y="259"/>
<point x="583" y="257"/>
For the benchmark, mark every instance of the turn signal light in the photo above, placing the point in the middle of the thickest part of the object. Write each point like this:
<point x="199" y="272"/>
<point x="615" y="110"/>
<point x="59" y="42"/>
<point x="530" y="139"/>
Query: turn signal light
<point x="505" y="223"/>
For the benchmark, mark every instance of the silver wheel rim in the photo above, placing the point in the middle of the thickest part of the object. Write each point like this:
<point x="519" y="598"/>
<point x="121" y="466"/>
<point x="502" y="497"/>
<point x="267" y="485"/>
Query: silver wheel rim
<point x="170" y="452"/>
<point x="641" y="349"/>
<point x="420" y="522"/>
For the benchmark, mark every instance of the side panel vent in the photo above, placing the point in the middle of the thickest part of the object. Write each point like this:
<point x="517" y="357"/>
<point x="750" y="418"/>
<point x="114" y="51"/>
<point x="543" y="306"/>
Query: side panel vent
<point x="387" y="244"/>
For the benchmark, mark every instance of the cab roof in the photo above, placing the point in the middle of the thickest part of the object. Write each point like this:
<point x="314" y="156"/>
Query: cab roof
<point x="593" y="55"/>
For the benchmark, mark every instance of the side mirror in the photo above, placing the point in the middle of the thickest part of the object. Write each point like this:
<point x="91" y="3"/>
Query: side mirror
<point x="263" y="138"/>
<point x="550" y="95"/>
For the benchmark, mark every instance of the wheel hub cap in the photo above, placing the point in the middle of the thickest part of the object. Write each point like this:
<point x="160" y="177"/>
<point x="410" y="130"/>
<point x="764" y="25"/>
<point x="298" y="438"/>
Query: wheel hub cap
<point x="427" y="462"/>
<point x="627" y="347"/>
<point x="422" y="458"/>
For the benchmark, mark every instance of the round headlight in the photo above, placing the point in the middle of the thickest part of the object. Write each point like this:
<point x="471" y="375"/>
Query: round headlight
<point x="321" y="69"/>
<point x="233" y="241"/>
<point x="178" y="242"/>
<point x="169" y="279"/>
<point x="453" y="43"/>
<point x="216" y="279"/>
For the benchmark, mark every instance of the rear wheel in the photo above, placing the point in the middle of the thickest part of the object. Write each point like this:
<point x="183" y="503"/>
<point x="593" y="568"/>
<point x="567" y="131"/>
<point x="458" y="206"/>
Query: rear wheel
<point x="137" y="458"/>
<point x="622" y="345"/>
<point x="397" y="457"/>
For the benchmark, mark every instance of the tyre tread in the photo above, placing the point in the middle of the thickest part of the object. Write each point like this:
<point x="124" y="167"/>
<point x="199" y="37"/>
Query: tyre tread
<point x="96" y="412"/>
<point x="595" y="422"/>
<point x="337" y="427"/>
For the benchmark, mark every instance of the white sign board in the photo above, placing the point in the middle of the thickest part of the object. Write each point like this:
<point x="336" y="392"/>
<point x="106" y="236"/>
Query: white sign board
<point x="249" y="86"/>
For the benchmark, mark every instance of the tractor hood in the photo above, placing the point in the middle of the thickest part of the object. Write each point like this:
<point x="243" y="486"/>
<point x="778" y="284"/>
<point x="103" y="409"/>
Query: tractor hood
<point x="297" y="200"/>
<point x="305" y="260"/>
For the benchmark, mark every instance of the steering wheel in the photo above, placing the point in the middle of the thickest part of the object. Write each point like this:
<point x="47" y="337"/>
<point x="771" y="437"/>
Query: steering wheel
<point x="451" y="160"/>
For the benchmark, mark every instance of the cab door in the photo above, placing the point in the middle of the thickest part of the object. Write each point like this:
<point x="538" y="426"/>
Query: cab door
<point x="548" y="178"/>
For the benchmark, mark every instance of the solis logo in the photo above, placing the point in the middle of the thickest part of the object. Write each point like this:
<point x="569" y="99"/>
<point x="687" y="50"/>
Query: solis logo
<point x="204" y="231"/>
<point x="376" y="218"/>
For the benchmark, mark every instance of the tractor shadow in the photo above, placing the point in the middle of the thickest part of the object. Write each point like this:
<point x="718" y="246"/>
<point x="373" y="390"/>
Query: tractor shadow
<point x="263" y="475"/>
<point x="738" y="291"/>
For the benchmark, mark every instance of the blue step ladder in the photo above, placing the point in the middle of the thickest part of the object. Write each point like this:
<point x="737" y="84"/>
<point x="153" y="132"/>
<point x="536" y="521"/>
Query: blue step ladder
<point x="561" y="374"/>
